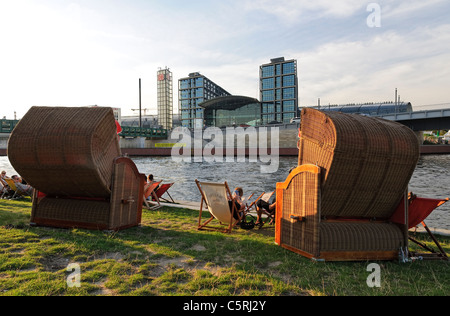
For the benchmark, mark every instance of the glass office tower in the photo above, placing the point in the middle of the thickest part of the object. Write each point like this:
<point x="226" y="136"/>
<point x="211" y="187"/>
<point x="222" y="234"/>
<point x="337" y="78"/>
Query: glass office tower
<point x="279" y="90"/>
<point x="194" y="90"/>
<point x="165" y="98"/>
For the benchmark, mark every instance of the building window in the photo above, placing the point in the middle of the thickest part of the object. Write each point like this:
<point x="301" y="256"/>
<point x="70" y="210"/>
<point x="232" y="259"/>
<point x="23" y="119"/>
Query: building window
<point x="267" y="71"/>
<point x="289" y="106"/>
<point x="288" y="81"/>
<point x="267" y="96"/>
<point x="289" y="93"/>
<point x="287" y="117"/>
<point x="199" y="82"/>
<point x="278" y="94"/>
<point x="185" y="94"/>
<point x="185" y="114"/>
<point x="278" y="82"/>
<point x="267" y="83"/>
<point x="278" y="70"/>
<point x="289" y="68"/>
<point x="184" y="84"/>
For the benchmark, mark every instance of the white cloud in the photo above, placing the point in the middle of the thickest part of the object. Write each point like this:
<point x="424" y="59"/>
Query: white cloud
<point x="291" y="11"/>
<point x="396" y="9"/>
<point x="369" y="71"/>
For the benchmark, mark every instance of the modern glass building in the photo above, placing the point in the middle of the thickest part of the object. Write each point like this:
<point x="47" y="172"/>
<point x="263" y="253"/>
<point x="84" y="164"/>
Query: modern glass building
<point x="232" y="111"/>
<point x="279" y="90"/>
<point x="165" y="98"/>
<point x="194" y="90"/>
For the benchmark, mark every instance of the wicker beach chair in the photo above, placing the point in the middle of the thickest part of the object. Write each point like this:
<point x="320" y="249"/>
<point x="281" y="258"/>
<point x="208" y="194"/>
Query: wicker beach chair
<point x="353" y="172"/>
<point x="71" y="156"/>
<point x="216" y="196"/>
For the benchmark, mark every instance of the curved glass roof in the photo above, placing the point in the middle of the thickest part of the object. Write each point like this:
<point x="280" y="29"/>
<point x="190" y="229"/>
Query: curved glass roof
<point x="228" y="102"/>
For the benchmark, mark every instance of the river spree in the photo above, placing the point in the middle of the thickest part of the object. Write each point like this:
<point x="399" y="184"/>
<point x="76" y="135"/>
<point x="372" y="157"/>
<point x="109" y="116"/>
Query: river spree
<point x="431" y="178"/>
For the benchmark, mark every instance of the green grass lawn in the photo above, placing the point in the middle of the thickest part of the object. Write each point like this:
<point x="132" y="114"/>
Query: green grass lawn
<point x="167" y="255"/>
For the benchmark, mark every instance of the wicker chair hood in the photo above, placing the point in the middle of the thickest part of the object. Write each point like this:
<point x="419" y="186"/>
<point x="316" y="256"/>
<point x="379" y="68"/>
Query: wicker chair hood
<point x="366" y="162"/>
<point x="64" y="151"/>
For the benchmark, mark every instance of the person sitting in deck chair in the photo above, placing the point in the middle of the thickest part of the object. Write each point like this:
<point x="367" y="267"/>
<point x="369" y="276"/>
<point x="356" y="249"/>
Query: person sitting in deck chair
<point x="150" y="187"/>
<point x="240" y="205"/>
<point x="23" y="188"/>
<point x="269" y="207"/>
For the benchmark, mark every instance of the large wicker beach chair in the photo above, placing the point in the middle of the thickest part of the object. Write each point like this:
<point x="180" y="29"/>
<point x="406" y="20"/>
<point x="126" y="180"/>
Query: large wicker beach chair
<point x="353" y="172"/>
<point x="71" y="156"/>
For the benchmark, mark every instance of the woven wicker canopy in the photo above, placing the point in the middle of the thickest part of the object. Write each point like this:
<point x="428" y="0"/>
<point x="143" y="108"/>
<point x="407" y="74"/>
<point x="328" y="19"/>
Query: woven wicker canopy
<point x="65" y="151"/>
<point x="366" y="162"/>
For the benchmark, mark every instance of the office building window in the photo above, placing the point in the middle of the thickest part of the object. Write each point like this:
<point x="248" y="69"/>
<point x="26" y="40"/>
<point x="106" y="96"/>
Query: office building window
<point x="267" y="96"/>
<point x="287" y="117"/>
<point x="289" y="93"/>
<point x="267" y="71"/>
<point x="267" y="83"/>
<point x="288" y="81"/>
<point x="289" y="106"/>
<point x="289" y="68"/>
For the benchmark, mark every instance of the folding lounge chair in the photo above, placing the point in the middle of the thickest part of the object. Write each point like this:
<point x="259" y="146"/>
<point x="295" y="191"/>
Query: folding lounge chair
<point x="418" y="210"/>
<point x="163" y="189"/>
<point x="5" y="190"/>
<point x="72" y="158"/>
<point x="269" y="215"/>
<point x="18" y="193"/>
<point x="149" y="191"/>
<point x="216" y="196"/>
<point x="353" y="172"/>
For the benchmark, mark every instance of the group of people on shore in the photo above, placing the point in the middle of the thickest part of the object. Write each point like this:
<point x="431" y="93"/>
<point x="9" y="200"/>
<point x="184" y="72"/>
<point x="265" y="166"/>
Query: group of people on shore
<point x="262" y="206"/>
<point x="21" y="186"/>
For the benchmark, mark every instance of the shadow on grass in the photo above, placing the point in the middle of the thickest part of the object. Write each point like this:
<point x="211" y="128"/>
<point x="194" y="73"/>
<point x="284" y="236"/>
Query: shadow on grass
<point x="167" y="255"/>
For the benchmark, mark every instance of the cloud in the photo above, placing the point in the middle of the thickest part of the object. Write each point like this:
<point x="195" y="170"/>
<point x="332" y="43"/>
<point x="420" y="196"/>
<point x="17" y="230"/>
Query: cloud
<point x="395" y="9"/>
<point x="292" y="11"/>
<point x="360" y="71"/>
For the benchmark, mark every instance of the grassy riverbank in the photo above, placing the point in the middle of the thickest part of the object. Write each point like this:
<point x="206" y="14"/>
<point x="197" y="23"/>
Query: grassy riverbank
<point x="168" y="256"/>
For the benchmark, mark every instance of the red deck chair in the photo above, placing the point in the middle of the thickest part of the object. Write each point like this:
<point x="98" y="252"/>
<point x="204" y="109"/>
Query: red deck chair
<point x="163" y="188"/>
<point x="149" y="190"/>
<point x="418" y="210"/>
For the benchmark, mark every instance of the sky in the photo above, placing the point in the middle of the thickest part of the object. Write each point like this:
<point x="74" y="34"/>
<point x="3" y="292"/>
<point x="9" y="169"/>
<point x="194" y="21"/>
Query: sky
<point x="93" y="52"/>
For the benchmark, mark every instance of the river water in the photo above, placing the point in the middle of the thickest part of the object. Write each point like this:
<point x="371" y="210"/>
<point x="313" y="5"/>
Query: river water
<point x="431" y="179"/>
